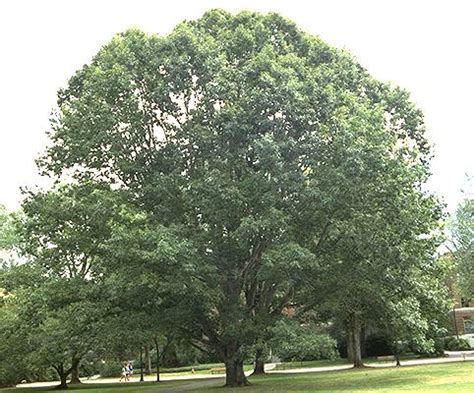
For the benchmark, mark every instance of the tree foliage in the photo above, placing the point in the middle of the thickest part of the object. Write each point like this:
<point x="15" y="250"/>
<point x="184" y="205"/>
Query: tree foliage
<point x="461" y="228"/>
<point x="57" y="294"/>
<point x="261" y="159"/>
<point x="9" y="237"/>
<point x="294" y="342"/>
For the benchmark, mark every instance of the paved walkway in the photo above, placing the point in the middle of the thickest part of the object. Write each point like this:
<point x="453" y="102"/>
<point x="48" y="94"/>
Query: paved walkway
<point x="450" y="356"/>
<point x="148" y="378"/>
<point x="311" y="369"/>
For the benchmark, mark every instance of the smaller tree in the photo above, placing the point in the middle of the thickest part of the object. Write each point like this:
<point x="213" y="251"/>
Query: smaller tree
<point x="13" y="345"/>
<point x="146" y="290"/>
<point x="48" y="322"/>
<point x="62" y="232"/>
<point x="416" y="315"/>
<point x="65" y="336"/>
<point x="461" y="229"/>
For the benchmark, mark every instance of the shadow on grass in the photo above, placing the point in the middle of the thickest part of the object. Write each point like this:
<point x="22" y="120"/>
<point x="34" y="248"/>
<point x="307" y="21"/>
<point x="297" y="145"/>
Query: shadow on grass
<point x="391" y="379"/>
<point x="100" y="387"/>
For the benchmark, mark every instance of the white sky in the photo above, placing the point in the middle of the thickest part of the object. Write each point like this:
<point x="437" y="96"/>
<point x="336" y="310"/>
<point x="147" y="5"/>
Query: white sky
<point x="423" y="46"/>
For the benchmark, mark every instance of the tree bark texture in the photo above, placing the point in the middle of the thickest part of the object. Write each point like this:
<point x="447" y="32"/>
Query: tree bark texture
<point x="63" y="384"/>
<point x="169" y="357"/>
<point x="355" y="332"/>
<point x="147" y="360"/>
<point x="350" y="344"/>
<point x="63" y="374"/>
<point x="75" y="370"/>
<point x="158" y="356"/>
<point x="234" y="372"/>
<point x="259" y="362"/>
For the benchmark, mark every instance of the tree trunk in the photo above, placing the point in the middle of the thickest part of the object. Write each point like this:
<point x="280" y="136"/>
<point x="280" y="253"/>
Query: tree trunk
<point x="169" y="356"/>
<point x="363" y="350"/>
<point x="234" y="372"/>
<point x="75" y="370"/>
<point x="147" y="360"/>
<point x="63" y="374"/>
<point x="259" y="362"/>
<point x="63" y="379"/>
<point x="355" y="331"/>
<point x="157" y="359"/>
<point x="397" y="358"/>
<point x="350" y="344"/>
<point x="396" y="351"/>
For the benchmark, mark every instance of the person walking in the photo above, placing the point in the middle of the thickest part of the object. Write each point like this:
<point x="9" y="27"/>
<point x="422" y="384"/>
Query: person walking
<point x="124" y="375"/>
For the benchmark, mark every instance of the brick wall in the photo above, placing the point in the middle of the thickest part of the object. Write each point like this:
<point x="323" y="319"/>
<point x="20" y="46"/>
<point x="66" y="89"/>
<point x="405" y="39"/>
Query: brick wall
<point x="461" y="314"/>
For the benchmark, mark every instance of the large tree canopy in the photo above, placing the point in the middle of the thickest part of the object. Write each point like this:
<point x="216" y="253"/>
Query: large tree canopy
<point x="252" y="142"/>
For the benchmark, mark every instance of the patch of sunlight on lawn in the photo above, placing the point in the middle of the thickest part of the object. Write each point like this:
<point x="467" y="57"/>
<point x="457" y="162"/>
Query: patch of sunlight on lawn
<point x="437" y="378"/>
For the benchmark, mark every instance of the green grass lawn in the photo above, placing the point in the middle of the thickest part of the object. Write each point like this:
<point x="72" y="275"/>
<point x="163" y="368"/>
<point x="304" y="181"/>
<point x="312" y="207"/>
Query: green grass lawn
<point x="434" y="378"/>
<point x="128" y="387"/>
<point x="338" y="362"/>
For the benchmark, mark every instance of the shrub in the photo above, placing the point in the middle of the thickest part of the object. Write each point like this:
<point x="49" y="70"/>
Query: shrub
<point x="377" y="345"/>
<point x="293" y="342"/>
<point x="438" y="347"/>
<point x="456" y="344"/>
<point x="110" y="369"/>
